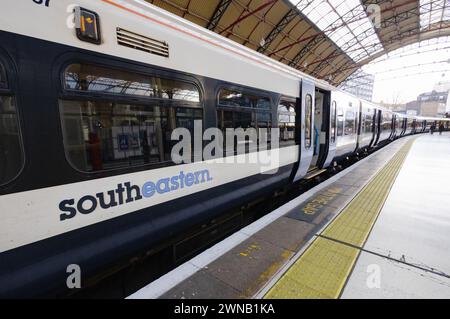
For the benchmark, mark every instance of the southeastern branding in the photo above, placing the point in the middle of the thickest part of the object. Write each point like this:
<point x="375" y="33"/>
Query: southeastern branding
<point x="126" y="193"/>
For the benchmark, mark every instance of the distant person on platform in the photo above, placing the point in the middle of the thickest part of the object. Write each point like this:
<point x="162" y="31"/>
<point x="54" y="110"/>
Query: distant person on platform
<point x="432" y="128"/>
<point x="441" y="128"/>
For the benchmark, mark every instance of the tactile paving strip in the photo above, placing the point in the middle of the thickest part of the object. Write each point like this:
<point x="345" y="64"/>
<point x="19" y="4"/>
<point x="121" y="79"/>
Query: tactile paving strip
<point x="322" y="270"/>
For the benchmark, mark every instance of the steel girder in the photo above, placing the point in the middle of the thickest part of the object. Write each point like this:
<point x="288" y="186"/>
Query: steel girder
<point x="218" y="13"/>
<point x="280" y="26"/>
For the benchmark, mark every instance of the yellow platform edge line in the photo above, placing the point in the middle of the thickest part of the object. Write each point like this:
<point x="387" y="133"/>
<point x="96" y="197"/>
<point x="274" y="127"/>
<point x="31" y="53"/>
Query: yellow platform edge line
<point x="323" y="268"/>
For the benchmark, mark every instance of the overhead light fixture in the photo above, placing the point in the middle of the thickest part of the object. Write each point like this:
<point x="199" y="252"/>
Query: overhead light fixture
<point x="262" y="42"/>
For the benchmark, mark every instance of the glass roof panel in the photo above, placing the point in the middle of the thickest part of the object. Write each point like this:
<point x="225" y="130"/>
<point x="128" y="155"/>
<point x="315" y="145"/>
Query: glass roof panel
<point x="346" y="23"/>
<point x="433" y="11"/>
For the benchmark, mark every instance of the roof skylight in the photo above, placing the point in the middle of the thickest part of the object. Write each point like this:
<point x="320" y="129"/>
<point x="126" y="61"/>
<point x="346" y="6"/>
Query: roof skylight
<point x="346" y="23"/>
<point x="433" y="11"/>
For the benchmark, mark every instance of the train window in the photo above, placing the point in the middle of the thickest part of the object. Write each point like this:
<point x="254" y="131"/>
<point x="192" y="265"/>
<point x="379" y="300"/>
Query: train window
<point x="340" y="122"/>
<point x="11" y="154"/>
<point x="263" y="120"/>
<point x="102" y="135"/>
<point x="368" y="123"/>
<point x="2" y="77"/>
<point x="333" y="122"/>
<point x="244" y="118"/>
<point x="308" y="120"/>
<point x="235" y="98"/>
<point x="349" y="123"/>
<point x="238" y="109"/>
<point x="387" y="121"/>
<point x="236" y="119"/>
<point x="82" y="77"/>
<point x="286" y="122"/>
<point x="263" y="103"/>
<point x="11" y="151"/>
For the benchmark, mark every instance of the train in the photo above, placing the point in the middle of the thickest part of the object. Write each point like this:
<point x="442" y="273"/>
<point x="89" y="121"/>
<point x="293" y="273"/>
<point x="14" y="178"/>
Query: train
<point x="90" y="94"/>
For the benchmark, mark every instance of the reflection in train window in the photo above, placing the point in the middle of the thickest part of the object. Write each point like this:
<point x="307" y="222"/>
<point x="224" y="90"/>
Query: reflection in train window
<point x="410" y="124"/>
<point x="245" y="119"/>
<point x="2" y="77"/>
<point x="235" y="119"/>
<point x="238" y="109"/>
<point x="396" y="123"/>
<point x="263" y="103"/>
<point x="333" y="122"/>
<point x="83" y="77"/>
<point x="236" y="98"/>
<point x="386" y="124"/>
<point x="286" y="122"/>
<point x="308" y="121"/>
<point x="111" y="131"/>
<point x="107" y="135"/>
<point x="349" y="123"/>
<point x="11" y="155"/>
<point x="368" y="127"/>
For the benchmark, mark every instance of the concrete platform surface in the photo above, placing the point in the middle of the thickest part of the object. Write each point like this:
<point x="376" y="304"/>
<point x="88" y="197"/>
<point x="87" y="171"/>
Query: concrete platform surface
<point x="408" y="250"/>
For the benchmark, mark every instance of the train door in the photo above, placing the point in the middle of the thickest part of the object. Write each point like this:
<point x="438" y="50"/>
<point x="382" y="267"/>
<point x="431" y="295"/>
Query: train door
<point x="374" y="128"/>
<point x="360" y="126"/>
<point x="393" y="128"/>
<point x="321" y="131"/>
<point x="378" y="119"/>
<point x="305" y="136"/>
<point x="398" y="127"/>
<point x="332" y="132"/>
<point x="418" y="126"/>
<point x="415" y="126"/>
<point x="404" y="126"/>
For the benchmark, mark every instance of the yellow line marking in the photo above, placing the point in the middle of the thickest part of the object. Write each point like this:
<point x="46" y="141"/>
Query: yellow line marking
<point x="322" y="270"/>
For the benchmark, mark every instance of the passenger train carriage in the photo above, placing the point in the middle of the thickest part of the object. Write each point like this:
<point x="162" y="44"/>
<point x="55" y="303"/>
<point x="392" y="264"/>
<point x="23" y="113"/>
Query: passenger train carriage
<point x="89" y="96"/>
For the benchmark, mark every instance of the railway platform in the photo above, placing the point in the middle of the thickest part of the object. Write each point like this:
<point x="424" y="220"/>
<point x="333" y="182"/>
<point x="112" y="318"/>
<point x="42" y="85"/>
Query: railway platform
<point x="379" y="229"/>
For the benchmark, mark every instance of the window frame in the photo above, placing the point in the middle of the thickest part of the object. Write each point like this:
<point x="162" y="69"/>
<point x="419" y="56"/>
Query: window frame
<point x="77" y="95"/>
<point x="309" y="142"/>
<point x="8" y="88"/>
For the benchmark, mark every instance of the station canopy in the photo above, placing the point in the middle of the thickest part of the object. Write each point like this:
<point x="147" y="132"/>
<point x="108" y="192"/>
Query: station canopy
<point x="328" y="39"/>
